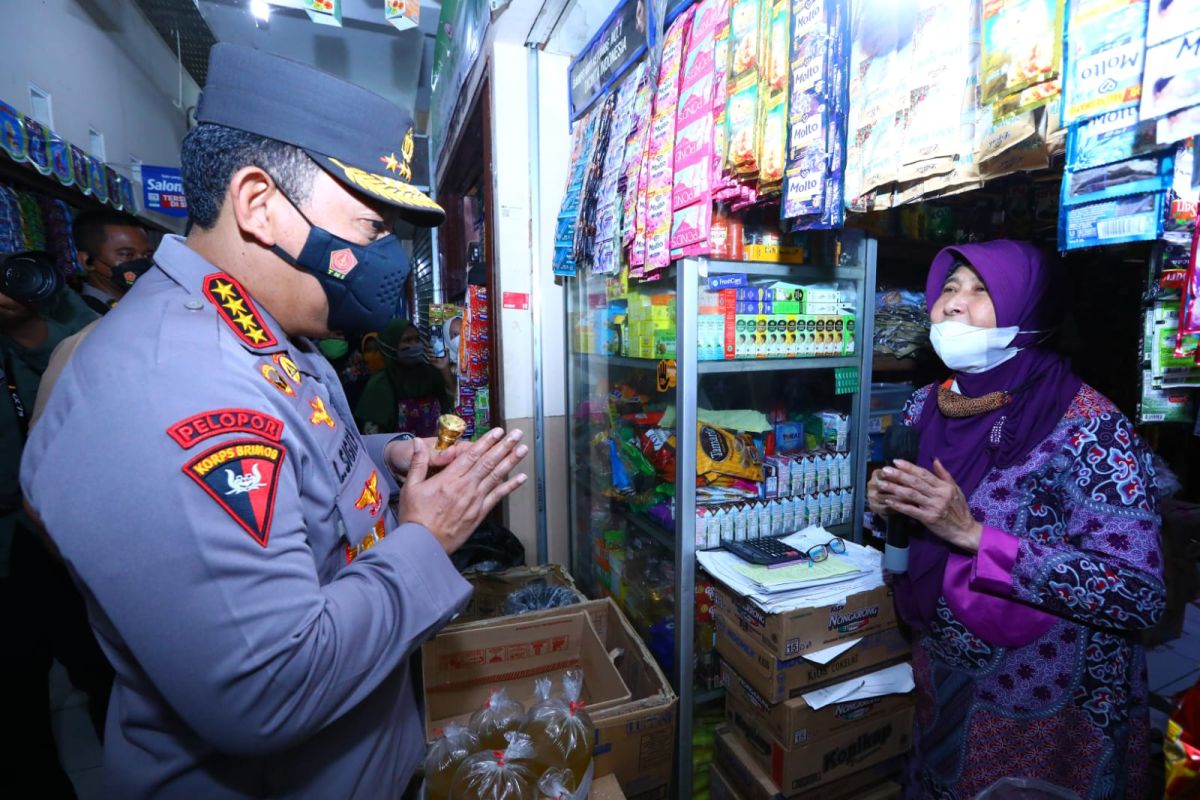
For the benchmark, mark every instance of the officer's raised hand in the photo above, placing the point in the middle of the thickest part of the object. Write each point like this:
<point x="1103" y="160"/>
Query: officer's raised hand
<point x="452" y="503"/>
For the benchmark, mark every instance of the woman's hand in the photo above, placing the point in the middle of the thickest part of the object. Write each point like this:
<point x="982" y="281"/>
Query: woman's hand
<point x="875" y="496"/>
<point x="931" y="498"/>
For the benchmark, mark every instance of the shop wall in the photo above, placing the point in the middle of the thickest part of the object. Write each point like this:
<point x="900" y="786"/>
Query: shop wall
<point x="104" y="66"/>
<point x="516" y="202"/>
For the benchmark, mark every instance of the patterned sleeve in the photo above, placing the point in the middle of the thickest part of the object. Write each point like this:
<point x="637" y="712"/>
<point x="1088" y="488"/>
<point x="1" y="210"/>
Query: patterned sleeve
<point x="1092" y="551"/>
<point x="915" y="405"/>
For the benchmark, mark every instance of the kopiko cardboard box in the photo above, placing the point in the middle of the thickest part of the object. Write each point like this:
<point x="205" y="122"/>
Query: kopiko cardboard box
<point x="635" y="739"/>
<point x="722" y="787"/>
<point x="794" y="723"/>
<point x="461" y="667"/>
<point x="741" y="772"/>
<point x="794" y="633"/>
<point x="776" y="681"/>
<point x="492" y="589"/>
<point x="797" y="770"/>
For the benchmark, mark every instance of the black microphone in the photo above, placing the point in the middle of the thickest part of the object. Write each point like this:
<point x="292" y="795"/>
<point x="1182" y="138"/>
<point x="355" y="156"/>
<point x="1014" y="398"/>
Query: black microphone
<point x="900" y="442"/>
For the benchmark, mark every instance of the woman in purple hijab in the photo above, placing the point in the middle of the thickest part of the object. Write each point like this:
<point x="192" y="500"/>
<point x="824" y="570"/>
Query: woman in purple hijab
<point x="1038" y="561"/>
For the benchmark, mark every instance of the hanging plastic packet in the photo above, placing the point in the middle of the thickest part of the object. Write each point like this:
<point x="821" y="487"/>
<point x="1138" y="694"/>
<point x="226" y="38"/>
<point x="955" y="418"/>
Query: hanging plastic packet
<point x="446" y="754"/>
<point x="499" y="774"/>
<point x="562" y="732"/>
<point x="721" y="452"/>
<point x="555" y="785"/>
<point x="500" y="715"/>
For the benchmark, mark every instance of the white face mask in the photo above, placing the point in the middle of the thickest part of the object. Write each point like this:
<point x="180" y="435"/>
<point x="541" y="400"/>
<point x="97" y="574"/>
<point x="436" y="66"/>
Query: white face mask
<point x="965" y="348"/>
<point x="452" y="348"/>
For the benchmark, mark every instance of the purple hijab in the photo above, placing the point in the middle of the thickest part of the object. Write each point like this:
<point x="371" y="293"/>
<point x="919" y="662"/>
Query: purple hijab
<point x="1020" y="283"/>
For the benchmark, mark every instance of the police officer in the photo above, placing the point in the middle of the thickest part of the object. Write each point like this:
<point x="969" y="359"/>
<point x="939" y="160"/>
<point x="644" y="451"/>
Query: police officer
<point x="243" y="571"/>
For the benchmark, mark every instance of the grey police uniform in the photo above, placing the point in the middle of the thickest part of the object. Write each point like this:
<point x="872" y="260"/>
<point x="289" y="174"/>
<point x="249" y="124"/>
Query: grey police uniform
<point x="204" y="480"/>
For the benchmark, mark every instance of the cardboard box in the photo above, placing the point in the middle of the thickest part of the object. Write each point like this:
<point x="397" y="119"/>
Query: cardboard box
<point x="635" y="741"/>
<point x="794" y="723"/>
<point x="721" y="787"/>
<point x="804" y="630"/>
<point x="776" y="681"/>
<point x="606" y="788"/>
<point x="492" y="589"/>
<point x="461" y="666"/>
<point x="741" y="772"/>
<point x="799" y="769"/>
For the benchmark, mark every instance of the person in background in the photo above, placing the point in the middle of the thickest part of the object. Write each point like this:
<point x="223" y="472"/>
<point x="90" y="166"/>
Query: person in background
<point x="200" y="472"/>
<point x="1037" y="559"/>
<point x="43" y="617"/>
<point x="412" y="391"/>
<point x="113" y="251"/>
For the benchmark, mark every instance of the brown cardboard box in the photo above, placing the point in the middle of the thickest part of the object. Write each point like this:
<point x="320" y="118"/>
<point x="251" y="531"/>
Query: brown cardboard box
<point x="805" y="630"/>
<point x="723" y="788"/>
<point x="743" y="776"/>
<point x="793" y="723"/>
<point x="800" y="769"/>
<point x="462" y="666"/>
<point x="635" y="741"/>
<point x="776" y="681"/>
<point x="493" y="588"/>
<point x="606" y="788"/>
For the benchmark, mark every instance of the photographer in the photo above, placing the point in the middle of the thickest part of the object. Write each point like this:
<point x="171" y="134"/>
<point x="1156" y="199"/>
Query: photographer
<point x="43" y="614"/>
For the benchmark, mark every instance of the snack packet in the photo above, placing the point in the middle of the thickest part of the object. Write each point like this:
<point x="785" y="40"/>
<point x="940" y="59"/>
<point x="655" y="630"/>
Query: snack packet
<point x="720" y="452"/>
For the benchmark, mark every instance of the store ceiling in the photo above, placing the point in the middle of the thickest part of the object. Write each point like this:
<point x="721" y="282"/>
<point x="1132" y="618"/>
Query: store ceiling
<point x="366" y="50"/>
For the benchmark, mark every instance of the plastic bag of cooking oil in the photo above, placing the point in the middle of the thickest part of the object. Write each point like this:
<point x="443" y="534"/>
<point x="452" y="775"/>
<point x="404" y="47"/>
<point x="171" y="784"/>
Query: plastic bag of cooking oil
<point x="556" y="785"/>
<point x="445" y="755"/>
<point x="499" y="716"/>
<point x="562" y="732"/>
<point x="507" y="774"/>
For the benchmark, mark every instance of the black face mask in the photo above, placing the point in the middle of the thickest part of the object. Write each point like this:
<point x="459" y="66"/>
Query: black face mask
<point x="363" y="283"/>
<point x="125" y="273"/>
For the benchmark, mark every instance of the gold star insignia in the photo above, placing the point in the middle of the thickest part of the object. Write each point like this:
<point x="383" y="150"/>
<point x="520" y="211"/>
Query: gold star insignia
<point x="236" y="306"/>
<point x="246" y="321"/>
<point x="225" y="290"/>
<point x="390" y="162"/>
<point x="257" y="335"/>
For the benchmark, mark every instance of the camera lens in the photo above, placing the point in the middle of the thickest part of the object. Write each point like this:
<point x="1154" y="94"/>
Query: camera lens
<point x="30" y="278"/>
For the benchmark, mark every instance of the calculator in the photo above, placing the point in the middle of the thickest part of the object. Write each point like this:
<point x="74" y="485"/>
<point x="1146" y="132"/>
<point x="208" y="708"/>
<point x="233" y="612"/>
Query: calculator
<point x="765" y="552"/>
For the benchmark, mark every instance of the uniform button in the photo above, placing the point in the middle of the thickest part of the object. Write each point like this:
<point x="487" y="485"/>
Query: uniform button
<point x="193" y="305"/>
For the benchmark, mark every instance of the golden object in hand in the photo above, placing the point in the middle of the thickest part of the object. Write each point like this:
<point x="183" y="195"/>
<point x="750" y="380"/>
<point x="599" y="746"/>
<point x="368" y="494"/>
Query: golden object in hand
<point x="450" y="428"/>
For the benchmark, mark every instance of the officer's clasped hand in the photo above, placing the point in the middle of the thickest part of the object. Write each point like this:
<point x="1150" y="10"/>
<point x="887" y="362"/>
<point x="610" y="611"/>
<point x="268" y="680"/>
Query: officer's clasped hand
<point x="452" y="503"/>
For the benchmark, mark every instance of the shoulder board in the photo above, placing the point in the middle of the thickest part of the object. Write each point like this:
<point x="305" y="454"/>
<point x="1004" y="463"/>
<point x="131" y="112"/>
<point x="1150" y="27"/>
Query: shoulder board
<point x="238" y="311"/>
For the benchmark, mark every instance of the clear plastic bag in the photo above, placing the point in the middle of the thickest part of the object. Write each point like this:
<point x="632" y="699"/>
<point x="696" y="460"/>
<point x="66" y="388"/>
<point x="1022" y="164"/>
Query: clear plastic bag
<point x="507" y="774"/>
<point x="1025" y="789"/>
<point x="539" y="596"/>
<point x="562" y="732"/>
<point x="500" y="715"/>
<point x="445" y="756"/>
<point x="556" y="785"/>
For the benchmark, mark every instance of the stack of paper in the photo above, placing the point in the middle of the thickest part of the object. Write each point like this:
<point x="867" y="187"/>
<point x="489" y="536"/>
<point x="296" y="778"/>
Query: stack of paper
<point x="893" y="680"/>
<point x="798" y="586"/>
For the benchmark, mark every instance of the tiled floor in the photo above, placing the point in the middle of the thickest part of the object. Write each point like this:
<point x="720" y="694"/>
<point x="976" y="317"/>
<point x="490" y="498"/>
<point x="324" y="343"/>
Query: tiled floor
<point x="1174" y="667"/>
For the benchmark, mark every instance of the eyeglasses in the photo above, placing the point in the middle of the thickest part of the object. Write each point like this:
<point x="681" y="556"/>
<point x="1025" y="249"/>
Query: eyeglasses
<point x="820" y="552"/>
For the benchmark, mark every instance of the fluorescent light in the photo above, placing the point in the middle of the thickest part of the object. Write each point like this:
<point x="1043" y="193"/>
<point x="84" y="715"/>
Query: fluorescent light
<point x="261" y="10"/>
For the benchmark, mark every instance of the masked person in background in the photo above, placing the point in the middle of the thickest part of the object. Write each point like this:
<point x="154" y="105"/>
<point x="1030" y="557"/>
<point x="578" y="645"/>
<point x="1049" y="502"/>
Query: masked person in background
<point x="113" y="252"/>
<point x="1037" y="558"/>
<point x="42" y="616"/>
<point x="413" y="389"/>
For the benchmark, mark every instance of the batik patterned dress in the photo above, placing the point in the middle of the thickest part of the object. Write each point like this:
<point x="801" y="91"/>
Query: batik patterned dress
<point x="1071" y="707"/>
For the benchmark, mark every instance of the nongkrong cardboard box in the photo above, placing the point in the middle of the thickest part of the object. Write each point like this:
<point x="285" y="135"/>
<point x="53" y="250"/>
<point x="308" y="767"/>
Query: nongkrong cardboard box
<point x="794" y="723"/>
<point x="635" y="740"/>
<point x="797" y="770"/>
<point x="794" y="633"/>
<point x="462" y="666"/>
<point x="776" y="681"/>
<point x="741" y="775"/>
<point x="493" y="589"/>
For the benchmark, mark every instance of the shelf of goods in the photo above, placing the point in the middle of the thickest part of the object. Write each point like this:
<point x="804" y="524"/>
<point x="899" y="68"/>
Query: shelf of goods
<point x="700" y="397"/>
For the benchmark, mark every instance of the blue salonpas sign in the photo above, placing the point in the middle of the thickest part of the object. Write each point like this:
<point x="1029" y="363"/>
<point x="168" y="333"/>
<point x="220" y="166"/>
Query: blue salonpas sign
<point x="162" y="191"/>
<point x="622" y="39"/>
